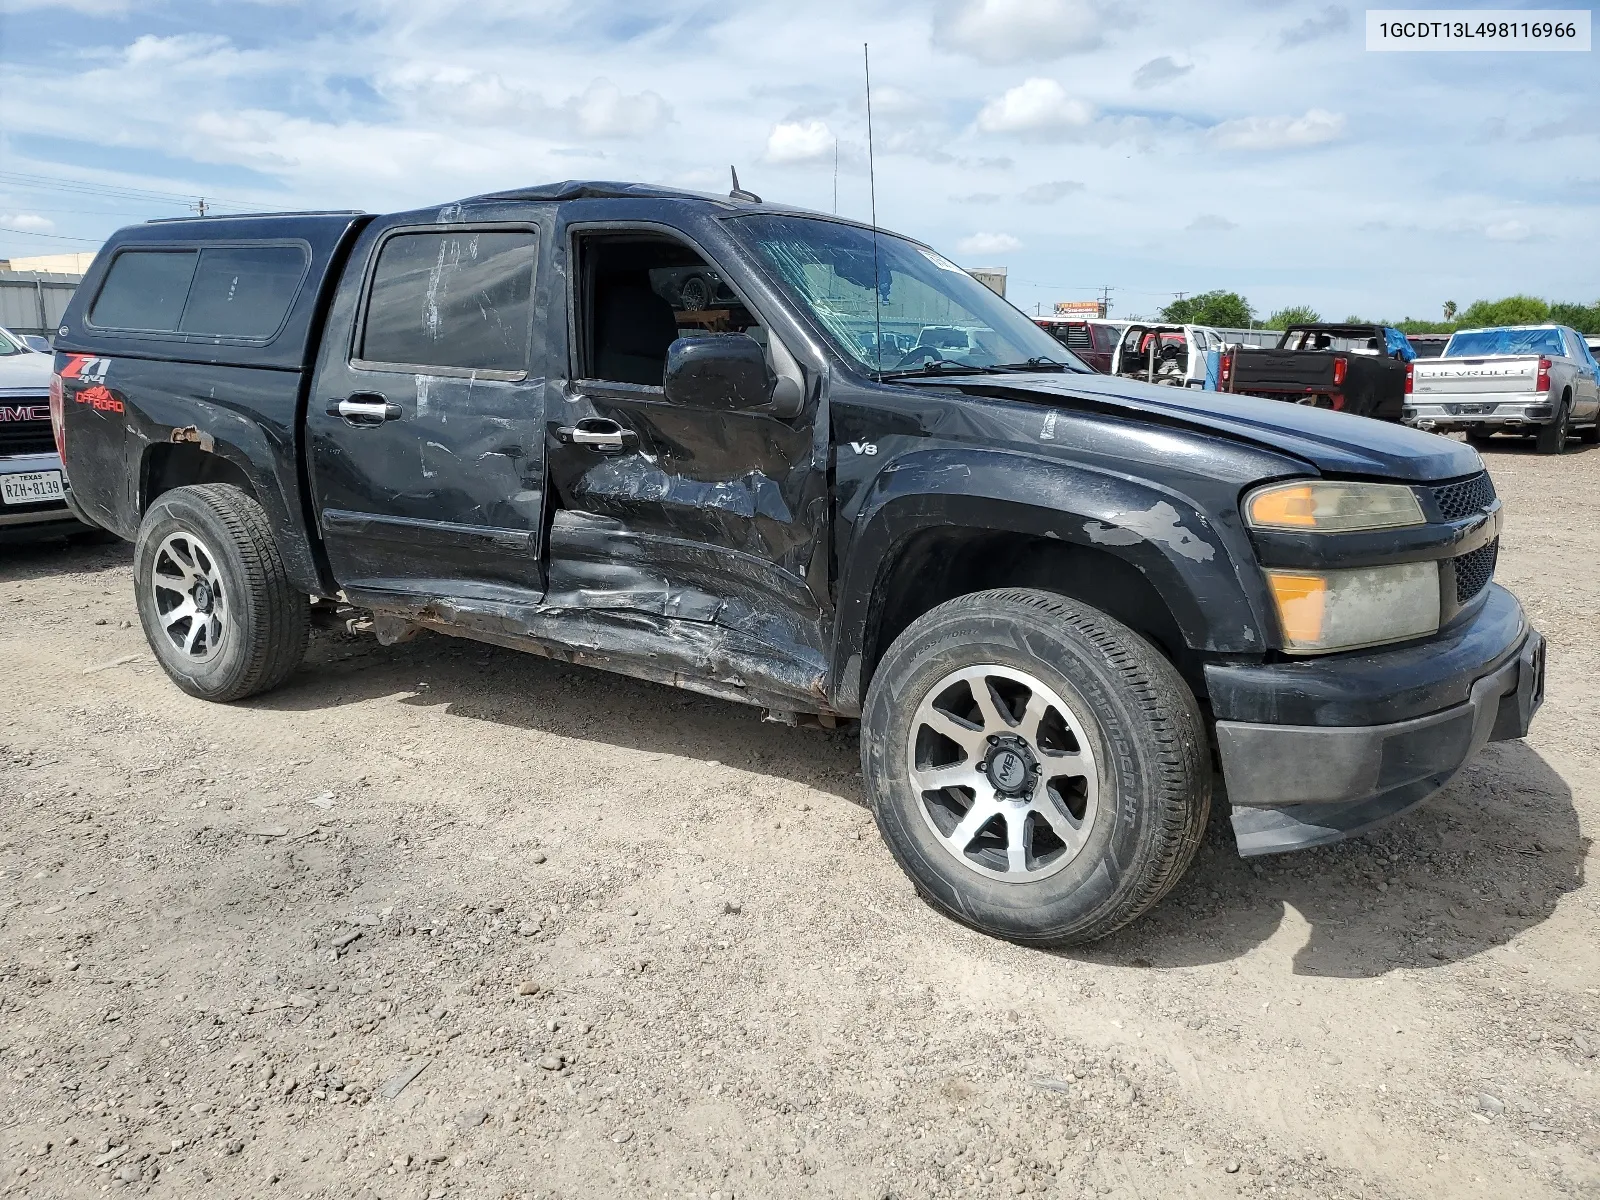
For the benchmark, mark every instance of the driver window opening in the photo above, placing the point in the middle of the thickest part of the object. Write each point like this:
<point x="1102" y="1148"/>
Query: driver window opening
<point x="640" y="293"/>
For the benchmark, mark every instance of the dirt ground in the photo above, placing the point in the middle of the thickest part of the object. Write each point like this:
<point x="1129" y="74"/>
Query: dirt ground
<point x="639" y="943"/>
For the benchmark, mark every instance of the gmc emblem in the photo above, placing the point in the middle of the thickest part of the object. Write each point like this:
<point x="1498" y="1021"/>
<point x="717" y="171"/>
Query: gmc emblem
<point x="25" y="412"/>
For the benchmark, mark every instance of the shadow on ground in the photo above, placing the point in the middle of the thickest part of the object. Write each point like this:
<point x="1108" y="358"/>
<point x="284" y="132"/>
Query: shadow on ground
<point x="21" y="561"/>
<point x="1469" y="870"/>
<point x="524" y="691"/>
<point x="1466" y="872"/>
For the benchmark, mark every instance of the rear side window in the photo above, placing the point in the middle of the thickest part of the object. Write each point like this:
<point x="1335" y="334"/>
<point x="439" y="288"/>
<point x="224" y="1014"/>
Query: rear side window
<point x="1078" y="337"/>
<point x="460" y="300"/>
<point x="218" y="291"/>
<point x="243" y="291"/>
<point x="1105" y="337"/>
<point x="145" y="290"/>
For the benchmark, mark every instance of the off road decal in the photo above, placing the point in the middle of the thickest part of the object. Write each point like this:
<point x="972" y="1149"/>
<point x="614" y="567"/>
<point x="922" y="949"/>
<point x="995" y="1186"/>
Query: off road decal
<point x="92" y="371"/>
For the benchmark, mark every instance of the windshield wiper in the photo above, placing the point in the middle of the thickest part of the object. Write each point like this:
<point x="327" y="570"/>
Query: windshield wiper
<point x="938" y="366"/>
<point x="1033" y="364"/>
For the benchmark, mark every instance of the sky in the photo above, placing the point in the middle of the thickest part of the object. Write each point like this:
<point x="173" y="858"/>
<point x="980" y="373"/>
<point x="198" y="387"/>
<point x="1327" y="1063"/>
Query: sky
<point x="1151" y="147"/>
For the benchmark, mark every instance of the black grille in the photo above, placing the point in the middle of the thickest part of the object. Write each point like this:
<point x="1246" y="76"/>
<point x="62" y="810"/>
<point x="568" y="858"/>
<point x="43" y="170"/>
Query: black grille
<point x="1474" y="570"/>
<point x="1456" y="500"/>
<point x="26" y="437"/>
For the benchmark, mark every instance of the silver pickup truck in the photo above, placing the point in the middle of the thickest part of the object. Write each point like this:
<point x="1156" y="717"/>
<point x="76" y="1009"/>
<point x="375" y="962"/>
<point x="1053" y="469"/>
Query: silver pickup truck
<point x="1526" y="379"/>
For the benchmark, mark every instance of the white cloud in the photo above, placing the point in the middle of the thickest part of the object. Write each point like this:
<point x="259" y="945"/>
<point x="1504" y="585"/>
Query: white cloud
<point x="603" y="111"/>
<point x="1038" y="107"/>
<point x="1013" y="31"/>
<point x="27" y="222"/>
<point x="1332" y="21"/>
<point x="1049" y="193"/>
<point x="431" y="91"/>
<point x="800" y="142"/>
<point x="396" y="104"/>
<point x="150" y="51"/>
<point x="1211" y="223"/>
<point x="95" y="8"/>
<point x="1160" y="70"/>
<point x="981" y="245"/>
<point x="1279" y="133"/>
<point x="1508" y="231"/>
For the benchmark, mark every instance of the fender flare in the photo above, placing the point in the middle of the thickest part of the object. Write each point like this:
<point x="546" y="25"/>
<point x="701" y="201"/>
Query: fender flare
<point x="1197" y="567"/>
<point x="242" y="443"/>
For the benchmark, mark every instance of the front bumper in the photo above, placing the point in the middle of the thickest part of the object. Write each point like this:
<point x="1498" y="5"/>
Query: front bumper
<point x="1299" y="785"/>
<point x="26" y="522"/>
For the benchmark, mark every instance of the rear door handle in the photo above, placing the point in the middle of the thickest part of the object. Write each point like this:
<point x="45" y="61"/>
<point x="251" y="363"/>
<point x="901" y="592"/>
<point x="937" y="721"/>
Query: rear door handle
<point x="364" y="408"/>
<point x="597" y="434"/>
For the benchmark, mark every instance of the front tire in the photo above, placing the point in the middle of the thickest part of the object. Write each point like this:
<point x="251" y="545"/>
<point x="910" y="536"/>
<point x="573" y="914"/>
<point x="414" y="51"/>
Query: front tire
<point x="1036" y="767"/>
<point x="215" y="600"/>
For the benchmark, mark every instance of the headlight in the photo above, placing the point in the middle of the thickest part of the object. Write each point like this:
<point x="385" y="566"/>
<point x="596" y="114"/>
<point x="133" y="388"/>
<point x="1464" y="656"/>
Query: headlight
<point x="1328" y="506"/>
<point x="1365" y="606"/>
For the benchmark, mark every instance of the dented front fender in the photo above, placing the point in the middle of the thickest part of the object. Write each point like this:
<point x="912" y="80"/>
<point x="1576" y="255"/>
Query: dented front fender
<point x="1198" y="560"/>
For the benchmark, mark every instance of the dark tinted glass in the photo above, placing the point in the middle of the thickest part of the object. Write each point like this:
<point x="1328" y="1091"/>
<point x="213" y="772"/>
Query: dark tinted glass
<point x="243" y="291"/>
<point x="452" y="300"/>
<point x="144" y="290"/>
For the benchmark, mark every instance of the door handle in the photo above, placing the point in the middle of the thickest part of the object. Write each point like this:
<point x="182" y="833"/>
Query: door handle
<point x="597" y="434"/>
<point x="364" y="408"/>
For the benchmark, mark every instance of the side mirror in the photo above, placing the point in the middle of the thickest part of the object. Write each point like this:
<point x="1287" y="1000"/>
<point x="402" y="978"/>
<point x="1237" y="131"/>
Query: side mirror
<point x="723" y="371"/>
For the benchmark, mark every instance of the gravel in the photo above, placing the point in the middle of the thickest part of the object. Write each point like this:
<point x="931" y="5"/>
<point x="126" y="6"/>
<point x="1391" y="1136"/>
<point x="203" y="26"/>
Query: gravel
<point x="578" y="919"/>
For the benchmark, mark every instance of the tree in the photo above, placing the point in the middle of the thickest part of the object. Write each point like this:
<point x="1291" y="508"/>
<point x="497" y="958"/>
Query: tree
<point x="1512" y="310"/>
<point x="1227" y="310"/>
<point x="1449" y="310"/>
<point x="1295" y="314"/>
<point x="1585" y="318"/>
<point x="1412" y="325"/>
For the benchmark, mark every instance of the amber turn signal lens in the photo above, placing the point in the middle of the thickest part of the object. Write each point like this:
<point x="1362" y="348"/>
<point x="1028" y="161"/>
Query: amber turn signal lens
<point x="1332" y="506"/>
<point x="1302" y="602"/>
<point x="1287" y="507"/>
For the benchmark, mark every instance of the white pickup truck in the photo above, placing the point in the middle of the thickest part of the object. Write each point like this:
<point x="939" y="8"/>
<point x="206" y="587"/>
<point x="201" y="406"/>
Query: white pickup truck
<point x="1175" y="355"/>
<point x="1525" y="379"/>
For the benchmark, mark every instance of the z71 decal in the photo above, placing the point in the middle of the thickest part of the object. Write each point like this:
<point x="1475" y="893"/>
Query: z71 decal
<point x="92" y="371"/>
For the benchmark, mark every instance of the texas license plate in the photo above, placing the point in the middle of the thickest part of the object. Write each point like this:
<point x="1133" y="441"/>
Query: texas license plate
<point x="31" y="487"/>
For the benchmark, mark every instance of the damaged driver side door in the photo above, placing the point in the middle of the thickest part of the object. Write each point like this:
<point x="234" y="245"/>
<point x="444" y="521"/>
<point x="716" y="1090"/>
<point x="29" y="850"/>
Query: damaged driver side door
<point x="424" y="421"/>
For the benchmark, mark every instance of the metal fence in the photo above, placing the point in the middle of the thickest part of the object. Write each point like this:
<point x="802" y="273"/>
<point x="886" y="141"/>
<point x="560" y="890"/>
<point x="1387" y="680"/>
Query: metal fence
<point x="1252" y="337"/>
<point x="34" y="301"/>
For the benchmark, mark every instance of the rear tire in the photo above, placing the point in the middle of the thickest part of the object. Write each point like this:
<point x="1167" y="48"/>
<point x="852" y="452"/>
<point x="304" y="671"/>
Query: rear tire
<point x="1087" y="839"/>
<point x="215" y="601"/>
<point x="1552" y="438"/>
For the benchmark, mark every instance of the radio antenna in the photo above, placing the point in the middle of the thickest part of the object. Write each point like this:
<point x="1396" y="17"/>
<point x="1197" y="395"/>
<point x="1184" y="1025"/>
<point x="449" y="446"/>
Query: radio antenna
<point x="836" y="176"/>
<point x="872" y="191"/>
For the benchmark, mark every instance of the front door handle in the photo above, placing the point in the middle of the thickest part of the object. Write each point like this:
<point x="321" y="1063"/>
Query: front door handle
<point x="597" y="434"/>
<point x="364" y="408"/>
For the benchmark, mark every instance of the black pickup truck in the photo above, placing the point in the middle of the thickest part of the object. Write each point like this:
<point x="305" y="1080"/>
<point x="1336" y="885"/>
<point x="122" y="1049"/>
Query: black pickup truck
<point x="1050" y="596"/>
<point x="1364" y="370"/>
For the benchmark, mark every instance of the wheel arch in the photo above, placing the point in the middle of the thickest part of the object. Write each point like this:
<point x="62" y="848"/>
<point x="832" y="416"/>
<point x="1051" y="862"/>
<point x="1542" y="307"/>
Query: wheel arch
<point x="1143" y="554"/>
<point x="236" y="451"/>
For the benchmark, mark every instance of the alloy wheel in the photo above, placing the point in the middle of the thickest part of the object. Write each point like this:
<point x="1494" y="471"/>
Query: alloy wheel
<point x="1005" y="772"/>
<point x="191" y="601"/>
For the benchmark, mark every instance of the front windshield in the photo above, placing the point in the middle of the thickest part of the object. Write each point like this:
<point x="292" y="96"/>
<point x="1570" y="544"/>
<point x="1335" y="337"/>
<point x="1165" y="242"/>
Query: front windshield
<point x="9" y="345"/>
<point x="925" y="309"/>
<point x="1476" y="343"/>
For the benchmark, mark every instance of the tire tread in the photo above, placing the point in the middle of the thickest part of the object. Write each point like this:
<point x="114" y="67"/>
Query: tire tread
<point x="1179" y="789"/>
<point x="279" y="612"/>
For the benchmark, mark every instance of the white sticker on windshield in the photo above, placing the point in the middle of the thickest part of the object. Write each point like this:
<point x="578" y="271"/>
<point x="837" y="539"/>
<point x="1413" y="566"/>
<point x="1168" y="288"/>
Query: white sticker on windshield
<point x="944" y="264"/>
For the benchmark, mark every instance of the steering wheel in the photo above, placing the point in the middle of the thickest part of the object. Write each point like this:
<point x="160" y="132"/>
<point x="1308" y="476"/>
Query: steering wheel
<point x="918" y="354"/>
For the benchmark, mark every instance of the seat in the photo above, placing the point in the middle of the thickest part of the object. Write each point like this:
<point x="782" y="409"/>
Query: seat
<point x="633" y="329"/>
